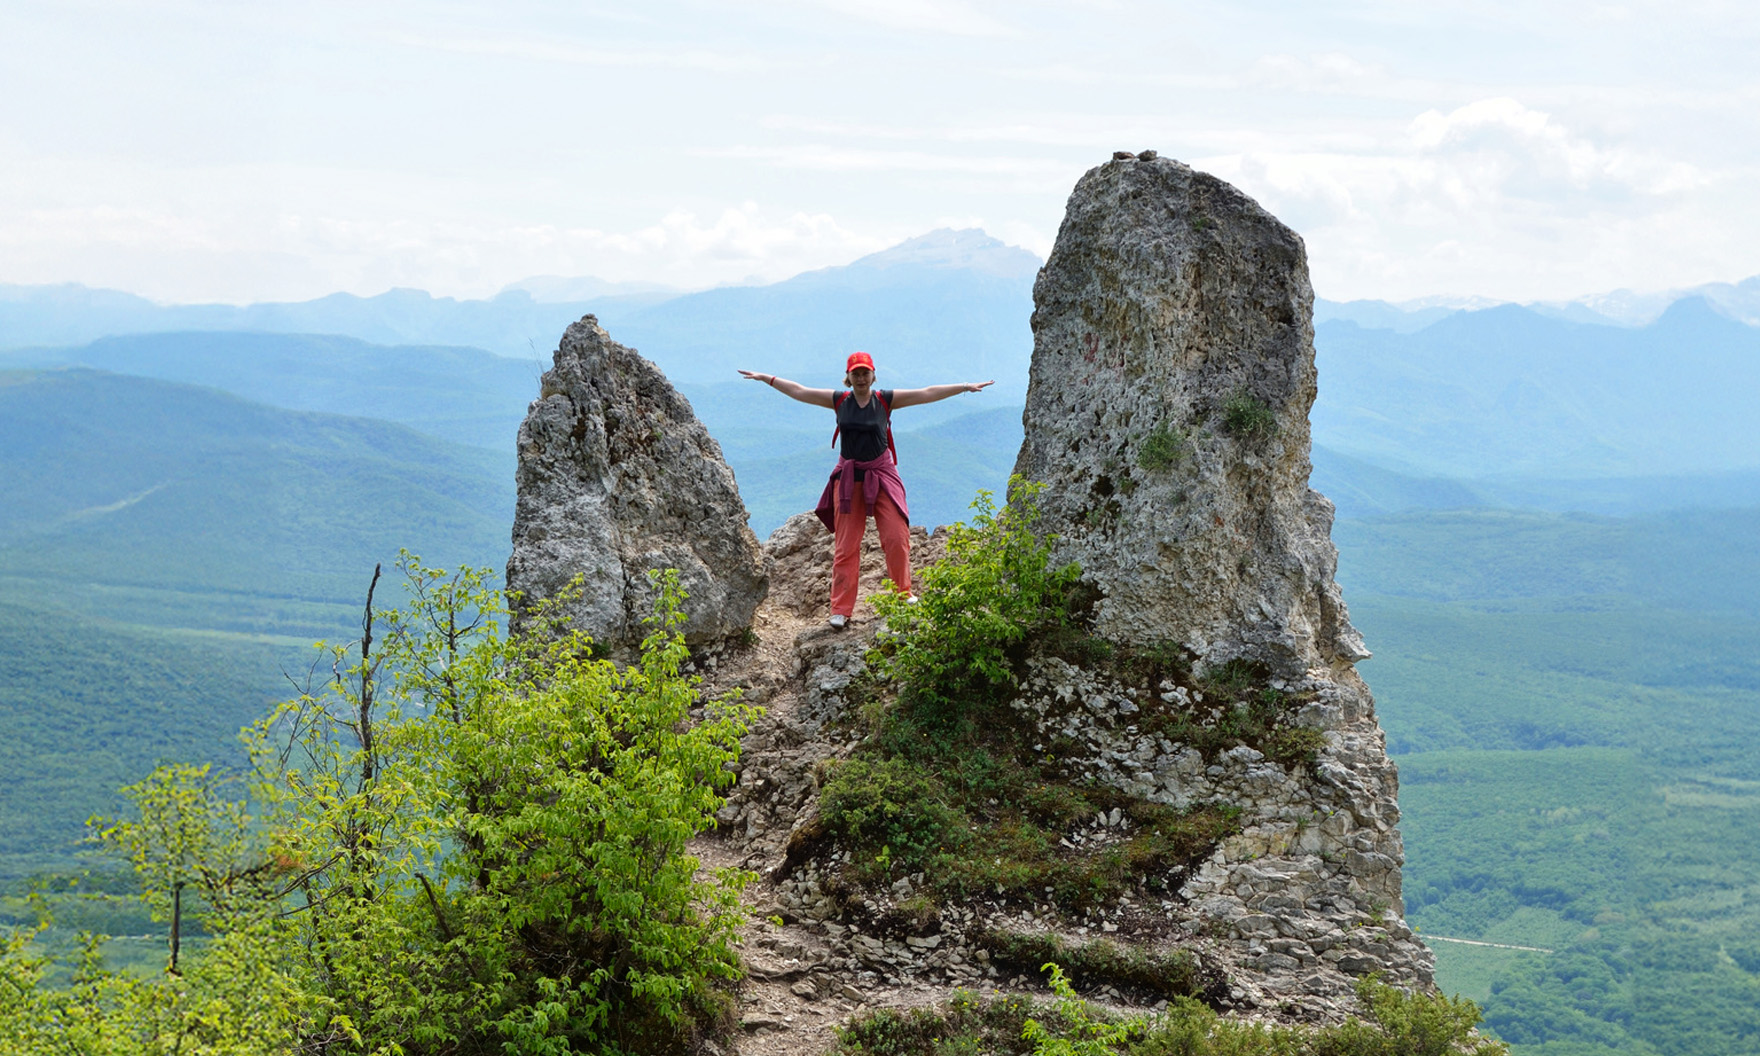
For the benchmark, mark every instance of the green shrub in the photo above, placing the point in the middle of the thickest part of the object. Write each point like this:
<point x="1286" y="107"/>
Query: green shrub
<point x="995" y="587"/>
<point x="1162" y="448"/>
<point x="463" y="843"/>
<point x="965" y="1024"/>
<point x="888" y="804"/>
<point x="1082" y="1033"/>
<point x="1396" y="1024"/>
<point x="1408" y="1024"/>
<point x="1246" y="416"/>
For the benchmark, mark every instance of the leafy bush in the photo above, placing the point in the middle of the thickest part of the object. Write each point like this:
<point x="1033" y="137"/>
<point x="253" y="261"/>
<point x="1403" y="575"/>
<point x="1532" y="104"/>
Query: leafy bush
<point x="963" y="1025"/>
<point x="1246" y="416"/>
<point x="1083" y="1034"/>
<point x="1408" y="1024"/>
<point x="1397" y="1024"/>
<point x="995" y="587"/>
<point x="948" y="758"/>
<point x="1162" y="448"/>
<point x="463" y="843"/>
<point x="887" y="803"/>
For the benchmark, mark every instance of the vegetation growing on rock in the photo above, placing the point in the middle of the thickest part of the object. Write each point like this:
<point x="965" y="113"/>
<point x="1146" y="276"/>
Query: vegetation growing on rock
<point x="1397" y="1023"/>
<point x="962" y="794"/>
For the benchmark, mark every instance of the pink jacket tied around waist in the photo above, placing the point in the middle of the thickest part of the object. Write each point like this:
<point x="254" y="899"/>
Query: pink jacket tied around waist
<point x="878" y="473"/>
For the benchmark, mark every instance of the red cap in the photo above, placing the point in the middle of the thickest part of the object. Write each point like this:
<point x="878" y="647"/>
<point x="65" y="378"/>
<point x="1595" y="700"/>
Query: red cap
<point x="858" y="359"/>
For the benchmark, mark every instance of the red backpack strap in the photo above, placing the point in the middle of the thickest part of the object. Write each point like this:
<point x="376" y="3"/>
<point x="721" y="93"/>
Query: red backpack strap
<point x="887" y="407"/>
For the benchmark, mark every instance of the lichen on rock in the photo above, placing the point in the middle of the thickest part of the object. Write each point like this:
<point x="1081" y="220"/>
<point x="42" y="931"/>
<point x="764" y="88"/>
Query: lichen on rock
<point x="617" y="477"/>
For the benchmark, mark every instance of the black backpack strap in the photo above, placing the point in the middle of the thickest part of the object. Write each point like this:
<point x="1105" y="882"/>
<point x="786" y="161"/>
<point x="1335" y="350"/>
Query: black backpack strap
<point x="837" y="405"/>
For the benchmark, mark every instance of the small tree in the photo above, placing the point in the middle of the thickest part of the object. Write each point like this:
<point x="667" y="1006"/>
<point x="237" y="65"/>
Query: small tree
<point x="465" y="842"/>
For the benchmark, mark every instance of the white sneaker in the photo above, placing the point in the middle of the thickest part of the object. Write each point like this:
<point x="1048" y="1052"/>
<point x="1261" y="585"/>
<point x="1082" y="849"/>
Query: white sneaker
<point x="839" y="620"/>
<point x="912" y="600"/>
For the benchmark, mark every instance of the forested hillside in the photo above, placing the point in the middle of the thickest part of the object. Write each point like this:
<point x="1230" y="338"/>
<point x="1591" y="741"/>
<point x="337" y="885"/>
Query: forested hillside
<point x="1572" y="702"/>
<point x="168" y="552"/>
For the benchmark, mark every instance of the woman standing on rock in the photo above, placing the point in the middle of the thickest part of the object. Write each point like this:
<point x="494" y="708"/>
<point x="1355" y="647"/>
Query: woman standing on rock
<point x="864" y="421"/>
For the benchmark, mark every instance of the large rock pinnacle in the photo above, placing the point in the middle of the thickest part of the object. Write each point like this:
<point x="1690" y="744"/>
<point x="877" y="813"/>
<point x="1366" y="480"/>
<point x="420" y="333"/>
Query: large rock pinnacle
<point x="1173" y="370"/>
<point x="616" y="477"/>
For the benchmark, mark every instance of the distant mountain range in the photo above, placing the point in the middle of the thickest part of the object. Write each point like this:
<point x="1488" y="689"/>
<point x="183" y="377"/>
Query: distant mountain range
<point x="1509" y="393"/>
<point x="1737" y="300"/>
<point x="1421" y="405"/>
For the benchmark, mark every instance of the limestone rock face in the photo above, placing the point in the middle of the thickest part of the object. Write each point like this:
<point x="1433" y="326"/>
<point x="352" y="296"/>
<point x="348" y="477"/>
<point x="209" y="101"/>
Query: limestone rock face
<point x="1173" y="371"/>
<point x="1167" y="413"/>
<point x="616" y="477"/>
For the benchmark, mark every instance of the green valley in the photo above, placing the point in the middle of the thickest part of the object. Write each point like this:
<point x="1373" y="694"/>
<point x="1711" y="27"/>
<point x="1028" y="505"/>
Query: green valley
<point x="1572" y="703"/>
<point x="168" y="555"/>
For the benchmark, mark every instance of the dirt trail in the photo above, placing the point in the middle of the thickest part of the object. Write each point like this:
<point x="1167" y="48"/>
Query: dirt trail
<point x="798" y="989"/>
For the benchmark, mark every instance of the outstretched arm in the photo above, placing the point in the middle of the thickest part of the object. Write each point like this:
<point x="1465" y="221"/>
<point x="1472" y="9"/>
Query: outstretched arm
<point x="912" y="397"/>
<point x="794" y="389"/>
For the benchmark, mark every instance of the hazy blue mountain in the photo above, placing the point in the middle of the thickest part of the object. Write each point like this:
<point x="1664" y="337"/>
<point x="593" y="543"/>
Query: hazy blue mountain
<point x="512" y="324"/>
<point x="1620" y="496"/>
<point x="949" y="306"/>
<point x="464" y="395"/>
<point x="1378" y="315"/>
<point x="1363" y="489"/>
<point x="1738" y="300"/>
<point x="946" y="301"/>
<point x="1507" y="392"/>
<point x="561" y="289"/>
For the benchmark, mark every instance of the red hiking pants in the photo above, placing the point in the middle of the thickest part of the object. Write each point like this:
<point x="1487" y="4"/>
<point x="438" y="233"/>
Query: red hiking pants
<point x="846" y="561"/>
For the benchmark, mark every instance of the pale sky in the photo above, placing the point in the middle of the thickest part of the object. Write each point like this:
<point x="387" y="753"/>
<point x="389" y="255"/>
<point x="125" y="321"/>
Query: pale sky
<point x="194" y="150"/>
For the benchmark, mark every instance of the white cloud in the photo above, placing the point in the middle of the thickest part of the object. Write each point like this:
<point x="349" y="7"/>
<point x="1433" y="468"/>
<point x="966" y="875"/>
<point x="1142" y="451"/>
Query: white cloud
<point x="920" y="16"/>
<point x="242" y="251"/>
<point x="575" y="54"/>
<point x="1500" y="148"/>
<point x="1332" y="71"/>
<point x="1477" y="195"/>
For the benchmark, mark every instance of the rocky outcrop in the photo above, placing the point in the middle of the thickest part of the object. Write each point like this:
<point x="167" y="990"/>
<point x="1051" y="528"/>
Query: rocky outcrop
<point x="1172" y="375"/>
<point x="1173" y="370"/>
<point x="617" y="477"/>
<point x="1307" y="894"/>
<point x="1167" y="413"/>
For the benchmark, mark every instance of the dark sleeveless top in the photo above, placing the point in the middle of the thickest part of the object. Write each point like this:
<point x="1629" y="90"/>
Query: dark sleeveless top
<point x="863" y="429"/>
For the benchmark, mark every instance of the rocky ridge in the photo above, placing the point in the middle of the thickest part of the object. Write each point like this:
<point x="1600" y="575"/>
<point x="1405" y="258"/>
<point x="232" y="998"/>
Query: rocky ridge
<point x="1281" y="915"/>
<point x="1173" y="369"/>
